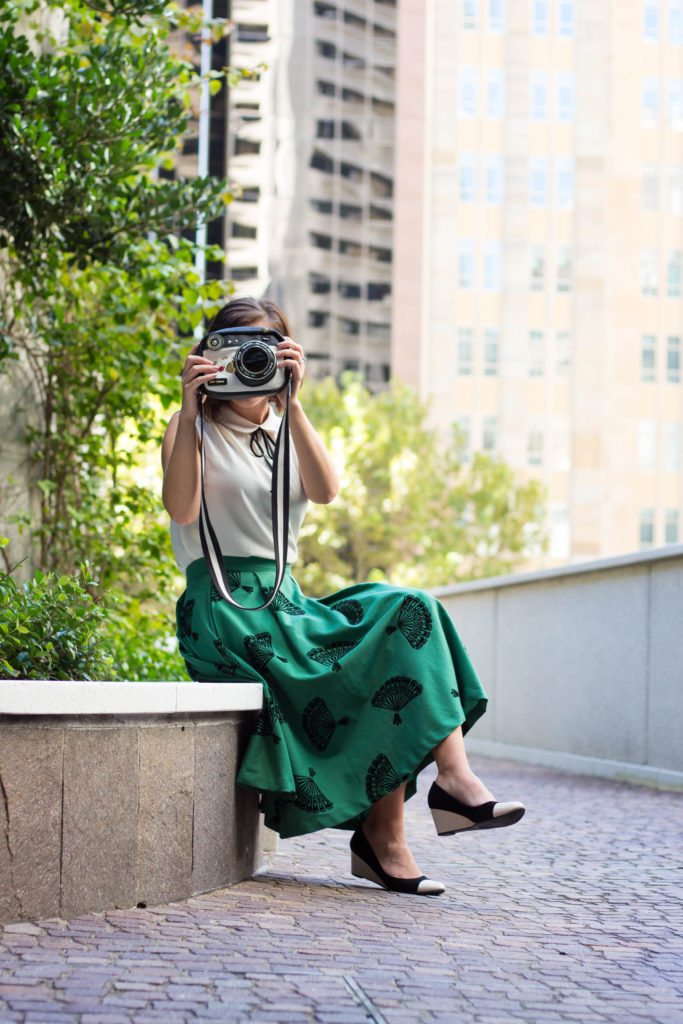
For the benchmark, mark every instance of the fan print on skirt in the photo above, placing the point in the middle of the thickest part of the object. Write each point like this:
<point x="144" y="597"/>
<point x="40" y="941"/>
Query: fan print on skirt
<point x="309" y="796"/>
<point x="332" y="654"/>
<point x="260" y="650"/>
<point x="234" y="582"/>
<point x="184" y="612"/>
<point x="281" y="604"/>
<point x="414" y="621"/>
<point x="351" y="609"/>
<point x="270" y="714"/>
<point x="395" y="694"/>
<point x="319" y="723"/>
<point x="230" y="666"/>
<point x="381" y="778"/>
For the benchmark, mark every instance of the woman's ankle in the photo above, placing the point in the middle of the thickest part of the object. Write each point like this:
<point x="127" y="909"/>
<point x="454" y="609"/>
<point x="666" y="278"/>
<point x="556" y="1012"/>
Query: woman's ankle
<point x="464" y="786"/>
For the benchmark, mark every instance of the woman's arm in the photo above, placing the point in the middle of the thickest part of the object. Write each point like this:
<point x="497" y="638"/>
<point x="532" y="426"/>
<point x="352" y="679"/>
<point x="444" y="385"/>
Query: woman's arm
<point x="316" y="468"/>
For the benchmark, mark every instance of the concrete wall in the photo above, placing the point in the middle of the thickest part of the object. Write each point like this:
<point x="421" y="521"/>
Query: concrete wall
<point x="105" y="811"/>
<point x="583" y="665"/>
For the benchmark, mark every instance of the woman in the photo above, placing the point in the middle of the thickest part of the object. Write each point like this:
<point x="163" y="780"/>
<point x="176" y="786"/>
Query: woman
<point x="362" y="689"/>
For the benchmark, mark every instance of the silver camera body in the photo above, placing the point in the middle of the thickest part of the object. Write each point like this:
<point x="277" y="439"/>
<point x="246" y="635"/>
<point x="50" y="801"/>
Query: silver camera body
<point x="249" y="355"/>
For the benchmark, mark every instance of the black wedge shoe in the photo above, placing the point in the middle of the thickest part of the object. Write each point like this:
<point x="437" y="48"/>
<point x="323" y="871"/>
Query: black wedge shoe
<point x="451" y="816"/>
<point x="364" y="864"/>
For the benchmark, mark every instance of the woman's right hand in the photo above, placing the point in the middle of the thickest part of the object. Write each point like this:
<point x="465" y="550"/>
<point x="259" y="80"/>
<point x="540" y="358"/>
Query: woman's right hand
<point x="197" y="370"/>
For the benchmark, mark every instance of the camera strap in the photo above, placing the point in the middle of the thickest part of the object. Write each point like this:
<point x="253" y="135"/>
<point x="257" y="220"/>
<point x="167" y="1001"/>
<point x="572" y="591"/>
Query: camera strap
<point x="213" y="555"/>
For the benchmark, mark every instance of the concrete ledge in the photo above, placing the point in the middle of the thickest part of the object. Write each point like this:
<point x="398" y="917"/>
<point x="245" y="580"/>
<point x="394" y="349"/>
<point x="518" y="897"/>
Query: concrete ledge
<point x="77" y="697"/>
<point x="117" y="794"/>
<point x="620" y="771"/>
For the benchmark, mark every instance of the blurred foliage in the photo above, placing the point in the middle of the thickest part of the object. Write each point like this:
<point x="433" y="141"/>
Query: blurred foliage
<point x="98" y="290"/>
<point x="410" y="511"/>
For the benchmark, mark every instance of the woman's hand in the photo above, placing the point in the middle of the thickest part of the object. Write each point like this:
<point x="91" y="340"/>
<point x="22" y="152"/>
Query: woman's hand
<point x="291" y="356"/>
<point x="197" y="370"/>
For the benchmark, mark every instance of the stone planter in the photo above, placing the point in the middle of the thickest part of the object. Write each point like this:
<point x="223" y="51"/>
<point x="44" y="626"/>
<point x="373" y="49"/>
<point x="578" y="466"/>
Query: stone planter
<point x="118" y="794"/>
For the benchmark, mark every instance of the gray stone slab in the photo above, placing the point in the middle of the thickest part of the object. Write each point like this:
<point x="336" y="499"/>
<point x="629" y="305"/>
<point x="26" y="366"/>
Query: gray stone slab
<point x="100" y="807"/>
<point x="665" y="705"/>
<point x="30" y="821"/>
<point x="166" y="781"/>
<point x="214" y="804"/>
<point x="474" y="617"/>
<point x="571" y="665"/>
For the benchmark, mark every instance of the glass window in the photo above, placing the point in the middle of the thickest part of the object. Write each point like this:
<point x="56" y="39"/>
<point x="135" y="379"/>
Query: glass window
<point x="494" y="180"/>
<point x="377" y="291"/>
<point x="672" y="446"/>
<point x="243" y="230"/>
<point x="496" y="15"/>
<point x="349" y="289"/>
<point x="564" y="184"/>
<point x="671" y="526"/>
<point x="538" y="96"/>
<point x="380" y="254"/>
<point x="466" y="264"/>
<point x="465" y="351"/>
<point x="319" y="284"/>
<point x="464" y="435"/>
<point x="470" y="14"/>
<point x="468" y="178"/>
<point x="495" y="94"/>
<point x="647" y="527"/>
<point x="317" y="318"/>
<point x="322" y="162"/>
<point x="648" y="358"/>
<point x="676" y="21"/>
<point x="348" y="325"/>
<point x="564" y="269"/>
<point x="651" y="21"/>
<point x="676" y="191"/>
<point x="650" y="102"/>
<point x="536" y="357"/>
<point x="566" y="98"/>
<point x="491" y="337"/>
<point x="650" y="187"/>
<point x="563" y="353"/>
<point x="676" y="104"/>
<point x="538" y="181"/>
<point x="320" y="241"/>
<point x="649" y="272"/>
<point x="535" y="446"/>
<point x="468" y="92"/>
<point x="647" y="445"/>
<point x="489" y="433"/>
<point x="673" y="359"/>
<point x="566" y="18"/>
<point x="537" y="275"/>
<point x="492" y="266"/>
<point x="674" y="269"/>
<point x="540" y="17"/>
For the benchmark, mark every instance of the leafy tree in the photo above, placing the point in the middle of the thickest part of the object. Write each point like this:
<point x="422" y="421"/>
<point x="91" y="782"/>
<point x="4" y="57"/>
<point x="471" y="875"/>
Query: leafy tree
<point x="410" y="511"/>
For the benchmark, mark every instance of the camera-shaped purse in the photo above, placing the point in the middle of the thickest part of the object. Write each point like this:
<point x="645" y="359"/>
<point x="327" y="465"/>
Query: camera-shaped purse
<point x="250" y="358"/>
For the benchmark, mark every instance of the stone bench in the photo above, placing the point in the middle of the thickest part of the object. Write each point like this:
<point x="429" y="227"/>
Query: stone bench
<point x="116" y="794"/>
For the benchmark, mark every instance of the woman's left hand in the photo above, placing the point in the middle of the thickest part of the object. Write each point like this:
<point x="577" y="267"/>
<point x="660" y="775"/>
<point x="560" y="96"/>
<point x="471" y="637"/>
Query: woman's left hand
<point x="290" y="355"/>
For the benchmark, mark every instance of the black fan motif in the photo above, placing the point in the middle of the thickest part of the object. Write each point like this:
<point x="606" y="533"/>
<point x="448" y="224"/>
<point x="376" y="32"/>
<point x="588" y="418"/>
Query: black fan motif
<point x="395" y="694"/>
<point x="309" y="797"/>
<point x="381" y="778"/>
<point x="234" y="582"/>
<point x="319" y="723"/>
<point x="230" y="664"/>
<point x="185" y="609"/>
<point x="270" y="714"/>
<point x="260" y="650"/>
<point x="192" y="670"/>
<point x="414" y="621"/>
<point x="351" y="609"/>
<point x="330" y="655"/>
<point x="454" y="693"/>
<point x="281" y="604"/>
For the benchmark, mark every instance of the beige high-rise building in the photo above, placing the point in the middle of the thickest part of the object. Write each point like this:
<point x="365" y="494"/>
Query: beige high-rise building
<point x="538" y="250"/>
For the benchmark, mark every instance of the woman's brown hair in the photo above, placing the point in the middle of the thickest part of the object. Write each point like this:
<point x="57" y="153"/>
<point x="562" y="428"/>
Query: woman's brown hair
<point x="242" y="313"/>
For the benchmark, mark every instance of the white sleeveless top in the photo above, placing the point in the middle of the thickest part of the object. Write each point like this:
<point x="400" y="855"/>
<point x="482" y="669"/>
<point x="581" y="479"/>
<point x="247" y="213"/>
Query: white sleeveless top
<point x="237" y="486"/>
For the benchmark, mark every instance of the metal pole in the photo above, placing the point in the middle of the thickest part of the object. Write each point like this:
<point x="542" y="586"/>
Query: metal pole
<point x="204" y="130"/>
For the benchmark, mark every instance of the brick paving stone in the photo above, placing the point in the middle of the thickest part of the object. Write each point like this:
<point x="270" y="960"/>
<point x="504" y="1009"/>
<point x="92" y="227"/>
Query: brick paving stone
<point x="571" y="917"/>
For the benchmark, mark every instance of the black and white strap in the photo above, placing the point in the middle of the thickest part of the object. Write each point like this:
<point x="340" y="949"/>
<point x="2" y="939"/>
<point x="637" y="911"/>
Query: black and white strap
<point x="213" y="555"/>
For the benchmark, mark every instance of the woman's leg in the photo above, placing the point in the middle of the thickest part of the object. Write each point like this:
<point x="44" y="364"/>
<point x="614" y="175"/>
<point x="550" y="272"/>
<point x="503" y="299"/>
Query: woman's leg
<point x="384" y="830"/>
<point x="455" y="774"/>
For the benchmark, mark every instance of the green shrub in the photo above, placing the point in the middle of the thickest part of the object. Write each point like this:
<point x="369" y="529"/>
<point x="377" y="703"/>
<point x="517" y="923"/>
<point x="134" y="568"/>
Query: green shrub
<point x="51" y="628"/>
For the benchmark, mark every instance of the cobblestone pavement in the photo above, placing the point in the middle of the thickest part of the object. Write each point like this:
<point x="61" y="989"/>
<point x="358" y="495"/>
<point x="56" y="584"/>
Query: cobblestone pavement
<point x="575" y="914"/>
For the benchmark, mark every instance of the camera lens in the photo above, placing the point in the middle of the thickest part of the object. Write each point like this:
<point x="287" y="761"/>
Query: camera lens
<point x="255" y="363"/>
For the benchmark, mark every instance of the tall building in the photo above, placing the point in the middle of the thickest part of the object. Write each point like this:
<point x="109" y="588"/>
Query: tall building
<point x="538" y="256"/>
<point x="311" y="143"/>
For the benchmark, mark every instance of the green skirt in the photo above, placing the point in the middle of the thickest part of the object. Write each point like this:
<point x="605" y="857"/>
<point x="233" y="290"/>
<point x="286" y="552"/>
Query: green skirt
<point x="358" y="688"/>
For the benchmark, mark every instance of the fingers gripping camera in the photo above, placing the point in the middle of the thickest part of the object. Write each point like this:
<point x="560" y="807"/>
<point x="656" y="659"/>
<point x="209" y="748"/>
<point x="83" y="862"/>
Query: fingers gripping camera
<point x="249" y="355"/>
